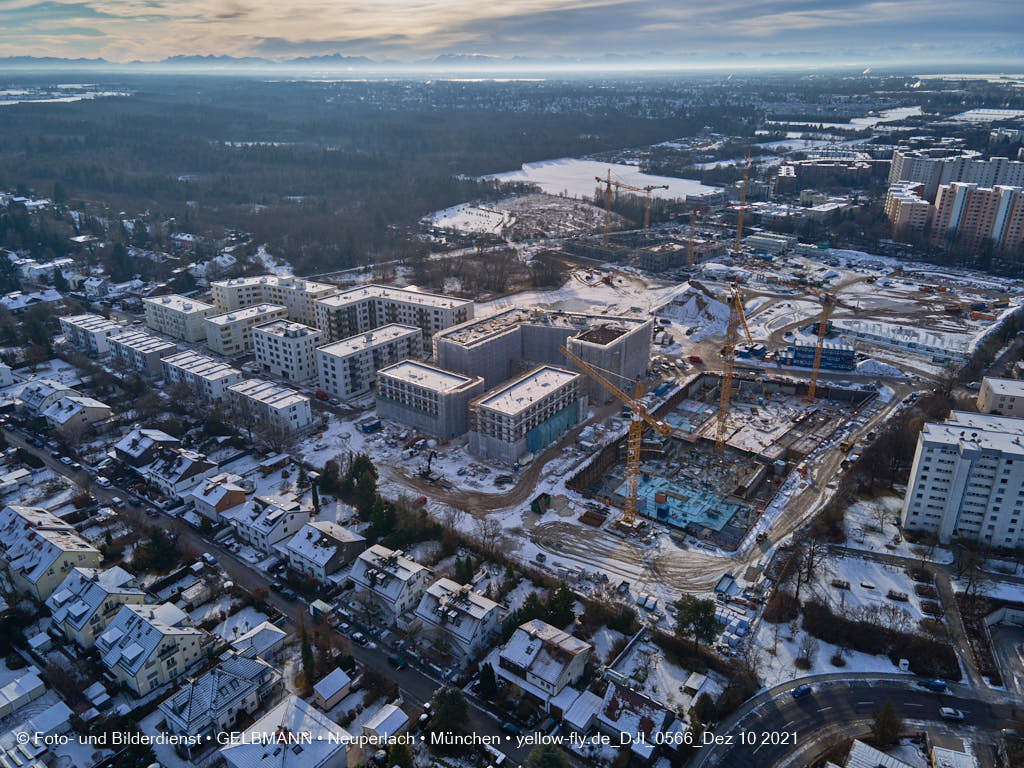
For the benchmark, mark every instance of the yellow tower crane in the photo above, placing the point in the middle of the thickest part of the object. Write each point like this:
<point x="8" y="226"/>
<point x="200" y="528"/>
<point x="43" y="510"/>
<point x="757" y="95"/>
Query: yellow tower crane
<point x="743" y="204"/>
<point x="689" y="242"/>
<point x="736" y="320"/>
<point x="609" y="182"/>
<point x="639" y="418"/>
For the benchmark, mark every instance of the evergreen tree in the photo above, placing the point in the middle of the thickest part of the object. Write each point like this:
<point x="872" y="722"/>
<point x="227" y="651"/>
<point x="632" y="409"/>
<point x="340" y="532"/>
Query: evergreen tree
<point x="547" y="756"/>
<point x="885" y="729"/>
<point x="488" y="684"/>
<point x="696" y="618"/>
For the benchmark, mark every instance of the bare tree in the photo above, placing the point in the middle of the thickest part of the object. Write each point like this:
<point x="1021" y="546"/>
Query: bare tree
<point x="807" y="650"/>
<point x="451" y="518"/>
<point x="488" y="531"/>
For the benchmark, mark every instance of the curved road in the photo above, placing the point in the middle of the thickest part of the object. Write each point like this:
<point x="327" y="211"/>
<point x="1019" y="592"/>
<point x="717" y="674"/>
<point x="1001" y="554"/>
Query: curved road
<point x="839" y="705"/>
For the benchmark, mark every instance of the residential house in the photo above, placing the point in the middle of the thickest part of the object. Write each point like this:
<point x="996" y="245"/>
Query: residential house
<point x="73" y="415"/>
<point x="388" y="582"/>
<point x="86" y="601"/>
<point x="458" y="620"/>
<point x="384" y="725"/>
<point x="263" y="641"/>
<point x="264" y="522"/>
<point x="147" y="646"/>
<point x="176" y="471"/>
<point x="321" y="548"/>
<point x="542" y="660"/>
<point x="141" y="446"/>
<point x="217" y="495"/>
<point x="39" y="394"/>
<point x="624" y="710"/>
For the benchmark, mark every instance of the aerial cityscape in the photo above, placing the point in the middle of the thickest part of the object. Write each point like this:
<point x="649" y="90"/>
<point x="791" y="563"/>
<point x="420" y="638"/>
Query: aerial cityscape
<point x="378" y="389"/>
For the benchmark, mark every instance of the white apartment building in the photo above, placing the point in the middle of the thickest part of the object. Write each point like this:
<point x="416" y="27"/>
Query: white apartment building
<point x="933" y="168"/>
<point x="456" y="617"/>
<point x="287" y="350"/>
<point x="139" y="351"/>
<point x="296" y="295"/>
<point x="967" y="480"/>
<point x="526" y="414"/>
<point x="207" y="377"/>
<point x="89" y="332"/>
<point x="906" y="207"/>
<point x="265" y="522"/>
<point x="1003" y="397"/>
<point x="86" y="601"/>
<point x="348" y="367"/>
<point x="178" y="317"/>
<point x="427" y="398"/>
<point x="542" y="660"/>
<point x="321" y="548"/>
<point x="231" y="333"/>
<point x="389" y="581"/>
<point x="272" y="403"/>
<point x="361" y="309"/>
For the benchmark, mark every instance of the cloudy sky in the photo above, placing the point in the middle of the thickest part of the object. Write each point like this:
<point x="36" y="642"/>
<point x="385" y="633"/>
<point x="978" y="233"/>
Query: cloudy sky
<point x="868" y="31"/>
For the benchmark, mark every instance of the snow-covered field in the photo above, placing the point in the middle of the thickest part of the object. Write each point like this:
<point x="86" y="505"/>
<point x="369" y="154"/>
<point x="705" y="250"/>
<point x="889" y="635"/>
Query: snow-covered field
<point x="573" y="177"/>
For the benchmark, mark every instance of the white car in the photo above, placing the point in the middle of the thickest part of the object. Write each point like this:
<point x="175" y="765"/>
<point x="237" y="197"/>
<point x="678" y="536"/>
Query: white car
<point x="948" y="713"/>
<point x="103" y="482"/>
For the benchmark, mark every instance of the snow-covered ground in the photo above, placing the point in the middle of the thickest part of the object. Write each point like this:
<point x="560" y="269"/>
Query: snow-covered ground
<point x="578" y="178"/>
<point x="871" y="525"/>
<point x="870" y="583"/>
<point x="654" y="675"/>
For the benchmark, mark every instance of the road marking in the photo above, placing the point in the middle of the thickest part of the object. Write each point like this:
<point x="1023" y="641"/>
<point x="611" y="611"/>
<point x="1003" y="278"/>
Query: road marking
<point x="908" y="704"/>
<point x="824" y="709"/>
<point x="864" y="702"/>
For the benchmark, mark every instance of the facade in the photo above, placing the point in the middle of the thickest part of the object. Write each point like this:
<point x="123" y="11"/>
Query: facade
<point x="328" y="743"/>
<point x="217" y="700"/>
<point x="205" y="376"/>
<point x="176" y="471"/>
<point x="216" y="495"/>
<point x="321" y="548"/>
<point x="294" y="294"/>
<point x="973" y="216"/>
<point x="362" y="309"/>
<point x="230" y="334"/>
<point x="177" y="317"/>
<point x="496" y="347"/>
<point x="1003" y="397"/>
<point x="389" y="581"/>
<point x="74" y="414"/>
<point x="89" y="332"/>
<point x="286" y="350"/>
<point x="542" y="660"/>
<point x="527" y="414"/>
<point x="38" y="550"/>
<point x="665" y="256"/>
<point x="139" y="351"/>
<point x="906" y="208"/>
<point x="39" y="394"/>
<point x="933" y="168"/>
<point x="458" y="619"/>
<point x="348" y="368"/>
<point x="264" y="523"/>
<point x="426" y="398"/>
<point x="835" y="356"/>
<point x="272" y="404"/>
<point x="88" y="598"/>
<point x="147" y="646"/>
<point x="967" y="480"/>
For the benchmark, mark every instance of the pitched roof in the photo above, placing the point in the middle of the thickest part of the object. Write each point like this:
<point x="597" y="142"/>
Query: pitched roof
<point x="84" y="591"/>
<point x="199" y="701"/>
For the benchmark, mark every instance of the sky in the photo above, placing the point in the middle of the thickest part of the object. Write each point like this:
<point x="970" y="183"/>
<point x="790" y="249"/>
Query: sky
<point x="812" y="31"/>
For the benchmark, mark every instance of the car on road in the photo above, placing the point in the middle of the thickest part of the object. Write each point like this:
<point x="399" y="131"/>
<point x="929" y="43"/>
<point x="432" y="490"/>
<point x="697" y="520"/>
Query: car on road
<point x="67" y="461"/>
<point x="397" y="661"/>
<point x="360" y="638"/>
<point x="948" y="713"/>
<point x="76" y="466"/>
<point x="934" y="684"/>
<point x="36" y="442"/>
<point x="510" y="728"/>
<point x="103" y="482"/>
<point x="800" y="691"/>
<point x="117" y="502"/>
<point x="288" y="593"/>
<point x="54" y="454"/>
<point x="277" y="586"/>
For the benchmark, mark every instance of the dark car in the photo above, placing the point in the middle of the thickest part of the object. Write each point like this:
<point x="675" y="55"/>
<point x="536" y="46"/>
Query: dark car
<point x="397" y="661"/>
<point x="800" y="691"/>
<point x="934" y="684"/>
<point x="288" y="593"/>
<point x="510" y="728"/>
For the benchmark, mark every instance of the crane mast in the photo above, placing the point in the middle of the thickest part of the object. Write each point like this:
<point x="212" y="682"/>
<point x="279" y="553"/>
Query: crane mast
<point x="689" y="243"/>
<point x="743" y="204"/>
<point x="609" y="183"/>
<point x="736" y="320"/>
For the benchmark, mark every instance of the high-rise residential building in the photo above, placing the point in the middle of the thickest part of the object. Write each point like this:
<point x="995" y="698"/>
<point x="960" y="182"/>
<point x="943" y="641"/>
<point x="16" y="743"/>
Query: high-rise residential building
<point x="286" y="350"/>
<point x="967" y="480"/>
<point x="296" y="295"/>
<point x="362" y="309"/>
<point x="933" y="168"/>
<point x="348" y="367"/>
<point x="177" y="316"/>
<point x="907" y="209"/>
<point x="972" y="216"/>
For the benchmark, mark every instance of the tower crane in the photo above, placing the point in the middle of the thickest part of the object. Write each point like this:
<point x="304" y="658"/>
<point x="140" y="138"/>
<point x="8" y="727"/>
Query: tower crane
<point x="689" y="243"/>
<point x="743" y="204"/>
<point x="609" y="183"/>
<point x="639" y="418"/>
<point x="736" y="320"/>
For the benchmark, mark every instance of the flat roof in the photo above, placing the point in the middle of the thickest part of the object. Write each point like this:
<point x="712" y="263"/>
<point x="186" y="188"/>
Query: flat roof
<point x="142" y="341"/>
<point x="90" y="322"/>
<point x="427" y="376"/>
<point x="1011" y="387"/>
<point x="201" y="365"/>
<point x="368" y="340"/>
<point x="481" y="329"/>
<point x="285" y="281"/>
<point x="407" y="295"/>
<point x="268" y="392"/>
<point x="246" y="313"/>
<point x="520" y="394"/>
<point x="178" y="303"/>
<point x="287" y="328"/>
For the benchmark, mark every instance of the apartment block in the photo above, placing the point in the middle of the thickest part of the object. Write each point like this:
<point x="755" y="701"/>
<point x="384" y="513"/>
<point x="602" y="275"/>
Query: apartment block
<point x="207" y="377"/>
<point x="973" y="216"/>
<point x="272" y="403"/>
<point x="296" y="295"/>
<point x="348" y="368"/>
<point x="139" y="351"/>
<point x="362" y="309"/>
<point x="231" y="333"/>
<point x="390" y="583"/>
<point x="499" y="346"/>
<point x="527" y="414"/>
<point x="88" y="598"/>
<point x="906" y="208"/>
<point x="933" y="168"/>
<point x="178" y="317"/>
<point x="456" y="618"/>
<point x="89" y="333"/>
<point x="427" y="398"/>
<point x="967" y="480"/>
<point x="1003" y="397"/>
<point x="287" y="350"/>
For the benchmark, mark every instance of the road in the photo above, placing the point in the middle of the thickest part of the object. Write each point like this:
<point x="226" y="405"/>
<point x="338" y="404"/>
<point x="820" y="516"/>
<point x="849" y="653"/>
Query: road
<point x="839" y="705"/>
<point x="415" y="684"/>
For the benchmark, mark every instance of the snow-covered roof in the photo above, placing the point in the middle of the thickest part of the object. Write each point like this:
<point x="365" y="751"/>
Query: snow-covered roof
<point x="85" y="590"/>
<point x="176" y="303"/>
<point x="329" y="686"/>
<point x="269" y="393"/>
<point x="518" y="395"/>
<point x="286" y="329"/>
<point x="542" y="650"/>
<point x="261" y="514"/>
<point x="33" y="539"/>
<point x="37" y="391"/>
<point x="1007" y="387"/>
<point x="865" y="756"/>
<point x="979" y="430"/>
<point x="138" y="441"/>
<point x="387" y="293"/>
<point x="201" y="366"/>
<point x="177" y="464"/>
<point x="17" y="300"/>
<point x="140" y="341"/>
<point x="259" y="640"/>
<point x="71" y="407"/>
<point x="582" y="711"/>
<point x="629" y="711"/>
<point x="136" y="631"/>
<point x="289" y="720"/>
<point x="424" y="375"/>
<point x="387" y="721"/>
<point x="90" y="322"/>
<point x="200" y="701"/>
<point x="456" y="607"/>
<point x="317" y="542"/>
<point x="368" y="340"/>
<point x="212" y="490"/>
<point x="246" y="314"/>
<point x="384" y="571"/>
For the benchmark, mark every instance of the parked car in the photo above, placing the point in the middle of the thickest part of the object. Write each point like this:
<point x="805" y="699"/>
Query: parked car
<point x="54" y="454"/>
<point x="360" y="638"/>
<point x="800" y="691"/>
<point x="935" y="684"/>
<point x="117" y="502"/>
<point x="103" y="482"/>
<point x="948" y="713"/>
<point x="510" y="728"/>
<point x="397" y="661"/>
